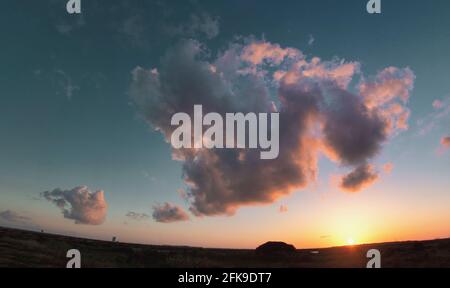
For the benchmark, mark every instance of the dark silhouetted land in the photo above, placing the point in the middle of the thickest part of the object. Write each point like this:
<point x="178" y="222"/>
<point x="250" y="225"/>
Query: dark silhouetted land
<point x="33" y="249"/>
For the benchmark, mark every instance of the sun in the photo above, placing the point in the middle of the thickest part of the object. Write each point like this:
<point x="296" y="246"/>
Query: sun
<point x="350" y="241"/>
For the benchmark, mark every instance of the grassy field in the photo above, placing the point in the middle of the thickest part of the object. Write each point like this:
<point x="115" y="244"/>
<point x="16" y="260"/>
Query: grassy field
<point x="33" y="249"/>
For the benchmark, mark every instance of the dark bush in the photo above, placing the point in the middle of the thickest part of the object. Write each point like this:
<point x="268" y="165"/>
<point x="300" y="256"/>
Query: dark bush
<point x="275" y="248"/>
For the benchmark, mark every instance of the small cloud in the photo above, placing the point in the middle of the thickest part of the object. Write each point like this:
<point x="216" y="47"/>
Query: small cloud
<point x="283" y="209"/>
<point x="137" y="216"/>
<point x="438" y="104"/>
<point x="388" y="167"/>
<point x="79" y="204"/>
<point x="205" y="24"/>
<point x="134" y="30"/>
<point x="61" y="81"/>
<point x="149" y="176"/>
<point x="169" y="213"/>
<point x="63" y="28"/>
<point x="359" y="178"/>
<point x="445" y="142"/>
<point x="311" y="40"/>
<point x="435" y="119"/>
<point x="66" y="28"/>
<point x="13" y="217"/>
<point x="95" y="80"/>
<point x="198" y="24"/>
<point x="66" y="83"/>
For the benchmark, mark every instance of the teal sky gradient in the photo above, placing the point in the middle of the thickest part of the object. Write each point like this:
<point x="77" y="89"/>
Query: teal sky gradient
<point x="95" y="137"/>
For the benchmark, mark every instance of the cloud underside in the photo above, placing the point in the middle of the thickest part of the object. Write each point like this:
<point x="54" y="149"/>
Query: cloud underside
<point x="320" y="113"/>
<point x="359" y="178"/>
<point x="79" y="204"/>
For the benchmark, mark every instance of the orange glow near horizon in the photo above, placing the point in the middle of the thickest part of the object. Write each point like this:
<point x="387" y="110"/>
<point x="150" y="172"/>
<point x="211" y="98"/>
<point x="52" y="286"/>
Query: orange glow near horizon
<point x="312" y="221"/>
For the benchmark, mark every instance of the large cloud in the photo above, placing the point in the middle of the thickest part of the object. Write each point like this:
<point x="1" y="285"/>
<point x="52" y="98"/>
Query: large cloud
<point x="79" y="204"/>
<point x="319" y="113"/>
<point x="169" y="213"/>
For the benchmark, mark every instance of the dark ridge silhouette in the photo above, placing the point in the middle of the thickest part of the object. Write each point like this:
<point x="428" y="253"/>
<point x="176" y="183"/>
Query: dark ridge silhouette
<point x="19" y="248"/>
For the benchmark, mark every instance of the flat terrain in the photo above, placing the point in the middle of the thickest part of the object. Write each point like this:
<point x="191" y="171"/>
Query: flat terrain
<point x="32" y="249"/>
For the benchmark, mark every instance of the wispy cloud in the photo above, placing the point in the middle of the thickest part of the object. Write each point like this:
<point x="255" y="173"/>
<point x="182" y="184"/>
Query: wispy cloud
<point x="439" y="117"/>
<point x="137" y="216"/>
<point x="66" y="83"/>
<point x="311" y="40"/>
<point x="134" y="30"/>
<point x="388" y="167"/>
<point x="198" y="25"/>
<point x="66" y="27"/>
<point x="13" y="217"/>
<point x="438" y="104"/>
<point x="283" y="209"/>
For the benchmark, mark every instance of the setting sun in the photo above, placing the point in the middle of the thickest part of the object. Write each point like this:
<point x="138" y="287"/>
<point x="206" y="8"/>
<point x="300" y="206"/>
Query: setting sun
<point x="350" y="241"/>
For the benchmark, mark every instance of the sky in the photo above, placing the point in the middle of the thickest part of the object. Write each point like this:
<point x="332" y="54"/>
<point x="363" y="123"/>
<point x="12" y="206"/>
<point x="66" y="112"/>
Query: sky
<point x="364" y="103"/>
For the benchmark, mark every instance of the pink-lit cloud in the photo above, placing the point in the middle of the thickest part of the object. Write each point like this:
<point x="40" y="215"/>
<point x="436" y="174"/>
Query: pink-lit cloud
<point x="168" y="213"/>
<point x="79" y="204"/>
<point x="437" y="104"/>
<point x="388" y="94"/>
<point x="445" y="142"/>
<point x="258" y="52"/>
<point x="388" y="167"/>
<point x="283" y="209"/>
<point x="13" y="217"/>
<point x="437" y="118"/>
<point x="319" y="114"/>
<point x="359" y="178"/>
